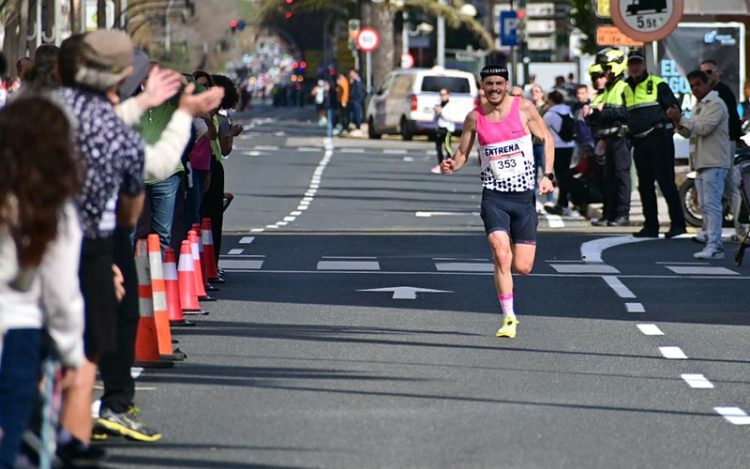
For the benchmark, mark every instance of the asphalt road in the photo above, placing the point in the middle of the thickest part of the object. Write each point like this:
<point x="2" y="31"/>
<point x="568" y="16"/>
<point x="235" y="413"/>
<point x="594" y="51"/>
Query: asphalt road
<point x="356" y="329"/>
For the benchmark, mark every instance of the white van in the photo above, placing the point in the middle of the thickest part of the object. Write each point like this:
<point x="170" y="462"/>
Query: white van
<point x="405" y="102"/>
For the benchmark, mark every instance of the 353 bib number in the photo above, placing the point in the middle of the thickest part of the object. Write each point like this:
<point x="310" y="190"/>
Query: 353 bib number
<point x="507" y="168"/>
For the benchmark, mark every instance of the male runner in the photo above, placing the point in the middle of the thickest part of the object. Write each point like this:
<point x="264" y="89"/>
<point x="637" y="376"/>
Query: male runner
<point x="508" y="200"/>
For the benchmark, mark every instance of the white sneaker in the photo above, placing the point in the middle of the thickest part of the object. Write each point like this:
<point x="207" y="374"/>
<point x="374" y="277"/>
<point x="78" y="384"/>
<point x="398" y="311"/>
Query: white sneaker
<point x="709" y="254"/>
<point x="435" y="169"/>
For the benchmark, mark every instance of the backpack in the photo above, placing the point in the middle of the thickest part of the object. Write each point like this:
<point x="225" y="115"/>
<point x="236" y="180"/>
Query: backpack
<point x="567" y="130"/>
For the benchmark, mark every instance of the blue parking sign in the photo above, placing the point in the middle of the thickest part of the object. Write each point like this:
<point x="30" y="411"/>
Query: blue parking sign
<point x="508" y="21"/>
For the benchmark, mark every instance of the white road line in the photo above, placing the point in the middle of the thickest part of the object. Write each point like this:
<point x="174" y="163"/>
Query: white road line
<point x="251" y="153"/>
<point x="683" y="263"/>
<point x="700" y="270"/>
<point x="584" y="269"/>
<point x="348" y="265"/>
<point x="247" y="239"/>
<point x="290" y="218"/>
<point x="296" y="213"/>
<point x="309" y="149"/>
<point x="591" y="251"/>
<point x="253" y="264"/>
<point x="697" y="381"/>
<point x="616" y="285"/>
<point x="266" y="147"/>
<point x="136" y="372"/>
<point x="464" y="259"/>
<point x="352" y="150"/>
<point x="349" y="257"/>
<point x="635" y="307"/>
<point x="444" y="214"/>
<point x="257" y="230"/>
<point x="408" y="159"/>
<point x="234" y="252"/>
<point x="650" y="329"/>
<point x="394" y="151"/>
<point x="734" y="415"/>
<point x="554" y="221"/>
<point x="672" y="353"/>
<point x="465" y="266"/>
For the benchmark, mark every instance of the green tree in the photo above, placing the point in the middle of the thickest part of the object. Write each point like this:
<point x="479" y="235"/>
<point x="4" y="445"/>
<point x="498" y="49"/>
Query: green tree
<point x="585" y="20"/>
<point x="382" y="17"/>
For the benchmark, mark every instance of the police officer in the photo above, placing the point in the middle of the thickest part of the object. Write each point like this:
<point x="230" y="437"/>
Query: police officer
<point x="647" y="97"/>
<point x="609" y="121"/>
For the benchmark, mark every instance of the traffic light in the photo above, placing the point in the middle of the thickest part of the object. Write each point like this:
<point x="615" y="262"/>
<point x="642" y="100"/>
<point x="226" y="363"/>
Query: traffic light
<point x="233" y="26"/>
<point x="521" y="24"/>
<point x="288" y="9"/>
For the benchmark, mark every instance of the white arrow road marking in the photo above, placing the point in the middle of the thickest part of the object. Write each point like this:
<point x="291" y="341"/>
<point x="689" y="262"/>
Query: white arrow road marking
<point x="405" y="293"/>
<point x="591" y="251"/>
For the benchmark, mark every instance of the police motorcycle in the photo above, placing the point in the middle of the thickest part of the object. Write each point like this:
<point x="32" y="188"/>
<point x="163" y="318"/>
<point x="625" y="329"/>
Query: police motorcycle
<point x="689" y="193"/>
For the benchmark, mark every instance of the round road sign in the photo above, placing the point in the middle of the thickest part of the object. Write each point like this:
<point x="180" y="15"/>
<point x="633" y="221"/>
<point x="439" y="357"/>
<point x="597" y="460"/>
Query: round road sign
<point x="368" y="39"/>
<point x="407" y="60"/>
<point x="646" y="20"/>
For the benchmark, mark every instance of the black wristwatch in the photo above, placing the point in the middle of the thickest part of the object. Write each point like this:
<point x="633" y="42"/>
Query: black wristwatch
<point x="550" y="176"/>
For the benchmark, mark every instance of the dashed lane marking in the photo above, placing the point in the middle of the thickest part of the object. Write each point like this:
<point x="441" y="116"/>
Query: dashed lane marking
<point x="251" y="264"/>
<point x="247" y="239"/>
<point x="465" y="266"/>
<point x="352" y="150"/>
<point x="672" y="353"/>
<point x="697" y="381"/>
<point x="348" y="265"/>
<point x="734" y="415"/>
<point x="700" y="270"/>
<point x="584" y="269"/>
<point x="615" y="284"/>
<point x="650" y="329"/>
<point x="394" y="151"/>
<point x="635" y="307"/>
<point x="234" y="252"/>
<point x="444" y="214"/>
<point x="265" y="147"/>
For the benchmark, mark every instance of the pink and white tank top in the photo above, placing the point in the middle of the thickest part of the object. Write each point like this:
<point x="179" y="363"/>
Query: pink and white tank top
<point x="505" y="151"/>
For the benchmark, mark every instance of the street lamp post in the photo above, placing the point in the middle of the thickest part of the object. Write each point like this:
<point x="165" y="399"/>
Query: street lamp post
<point x="441" y="38"/>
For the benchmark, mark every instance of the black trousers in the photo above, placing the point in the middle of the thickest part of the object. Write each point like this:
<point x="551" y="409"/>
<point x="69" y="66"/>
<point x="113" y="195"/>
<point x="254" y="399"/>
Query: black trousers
<point x="213" y="204"/>
<point x="617" y="178"/>
<point x="119" y="385"/>
<point x="563" y="174"/>
<point x="440" y="134"/>
<point x="654" y="162"/>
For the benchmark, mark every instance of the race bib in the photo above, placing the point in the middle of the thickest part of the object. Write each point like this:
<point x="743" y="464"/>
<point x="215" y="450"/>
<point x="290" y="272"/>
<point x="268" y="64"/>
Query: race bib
<point x="506" y="161"/>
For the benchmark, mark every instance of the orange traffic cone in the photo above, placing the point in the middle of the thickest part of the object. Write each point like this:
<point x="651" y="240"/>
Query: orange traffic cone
<point x="201" y="249"/>
<point x="174" y="311"/>
<point x="188" y="298"/>
<point x="200" y="288"/>
<point x="146" y="342"/>
<point x="212" y="273"/>
<point x="159" y="296"/>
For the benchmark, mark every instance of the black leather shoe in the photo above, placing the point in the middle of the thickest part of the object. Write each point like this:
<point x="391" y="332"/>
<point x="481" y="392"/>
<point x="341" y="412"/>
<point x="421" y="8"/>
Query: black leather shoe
<point x="646" y="233"/>
<point x="674" y="232"/>
<point x="619" y="221"/>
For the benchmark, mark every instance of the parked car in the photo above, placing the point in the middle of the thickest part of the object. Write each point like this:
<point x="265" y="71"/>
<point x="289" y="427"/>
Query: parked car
<point x="405" y="103"/>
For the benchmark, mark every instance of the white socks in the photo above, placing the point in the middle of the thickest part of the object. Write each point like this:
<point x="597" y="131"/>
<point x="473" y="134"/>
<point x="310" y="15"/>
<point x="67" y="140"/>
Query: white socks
<point x="506" y="304"/>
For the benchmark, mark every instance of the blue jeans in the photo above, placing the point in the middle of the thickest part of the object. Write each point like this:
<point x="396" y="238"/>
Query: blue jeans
<point x="710" y="185"/>
<point x="162" y="196"/>
<point x="19" y="375"/>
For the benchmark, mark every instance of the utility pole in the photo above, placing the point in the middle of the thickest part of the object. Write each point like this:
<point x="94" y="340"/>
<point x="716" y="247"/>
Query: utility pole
<point x="441" y="38"/>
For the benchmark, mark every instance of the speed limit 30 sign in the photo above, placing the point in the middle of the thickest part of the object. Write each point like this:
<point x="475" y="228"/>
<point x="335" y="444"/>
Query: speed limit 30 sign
<point x="646" y="20"/>
<point x="368" y="39"/>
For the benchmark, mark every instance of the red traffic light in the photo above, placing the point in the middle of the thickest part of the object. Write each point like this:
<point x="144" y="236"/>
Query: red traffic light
<point x="288" y="14"/>
<point x="303" y="64"/>
<point x="233" y="24"/>
<point x="521" y="14"/>
<point x="289" y="2"/>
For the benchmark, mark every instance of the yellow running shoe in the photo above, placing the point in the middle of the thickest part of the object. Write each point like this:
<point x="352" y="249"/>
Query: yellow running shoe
<point x="509" y="328"/>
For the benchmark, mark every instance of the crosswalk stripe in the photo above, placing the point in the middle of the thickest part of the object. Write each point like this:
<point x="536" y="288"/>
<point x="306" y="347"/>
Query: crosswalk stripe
<point x="700" y="270"/>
